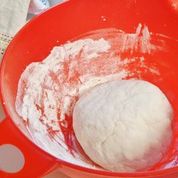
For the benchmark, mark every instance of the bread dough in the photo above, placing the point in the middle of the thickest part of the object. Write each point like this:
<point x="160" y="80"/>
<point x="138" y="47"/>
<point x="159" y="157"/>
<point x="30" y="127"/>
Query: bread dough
<point x="124" y="125"/>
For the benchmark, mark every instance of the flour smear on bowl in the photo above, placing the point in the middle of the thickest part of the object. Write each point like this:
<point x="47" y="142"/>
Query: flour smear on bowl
<point x="48" y="90"/>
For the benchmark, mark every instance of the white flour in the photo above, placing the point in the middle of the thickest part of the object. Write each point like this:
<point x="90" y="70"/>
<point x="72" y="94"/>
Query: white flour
<point x="48" y="90"/>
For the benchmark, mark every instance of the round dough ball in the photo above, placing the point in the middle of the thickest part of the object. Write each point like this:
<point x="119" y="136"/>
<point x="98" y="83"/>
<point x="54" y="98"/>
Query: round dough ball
<point x="124" y="125"/>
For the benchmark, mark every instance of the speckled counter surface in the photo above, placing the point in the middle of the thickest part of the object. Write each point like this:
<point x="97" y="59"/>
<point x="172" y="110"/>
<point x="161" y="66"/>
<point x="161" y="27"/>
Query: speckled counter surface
<point x="56" y="174"/>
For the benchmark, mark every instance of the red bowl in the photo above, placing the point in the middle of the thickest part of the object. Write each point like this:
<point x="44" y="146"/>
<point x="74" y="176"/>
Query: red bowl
<point x="56" y="26"/>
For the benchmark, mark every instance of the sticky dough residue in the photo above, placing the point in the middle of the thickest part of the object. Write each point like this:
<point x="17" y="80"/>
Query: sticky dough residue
<point x="48" y="90"/>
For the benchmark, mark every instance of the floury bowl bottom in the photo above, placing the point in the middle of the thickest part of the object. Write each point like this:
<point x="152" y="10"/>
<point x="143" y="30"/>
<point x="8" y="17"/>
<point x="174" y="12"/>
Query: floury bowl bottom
<point x="65" y="22"/>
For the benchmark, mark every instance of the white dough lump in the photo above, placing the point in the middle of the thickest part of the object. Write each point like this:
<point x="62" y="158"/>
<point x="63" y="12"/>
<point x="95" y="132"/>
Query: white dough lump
<point x="124" y="125"/>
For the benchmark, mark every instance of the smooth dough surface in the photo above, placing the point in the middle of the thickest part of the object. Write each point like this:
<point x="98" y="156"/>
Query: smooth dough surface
<point x="124" y="125"/>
